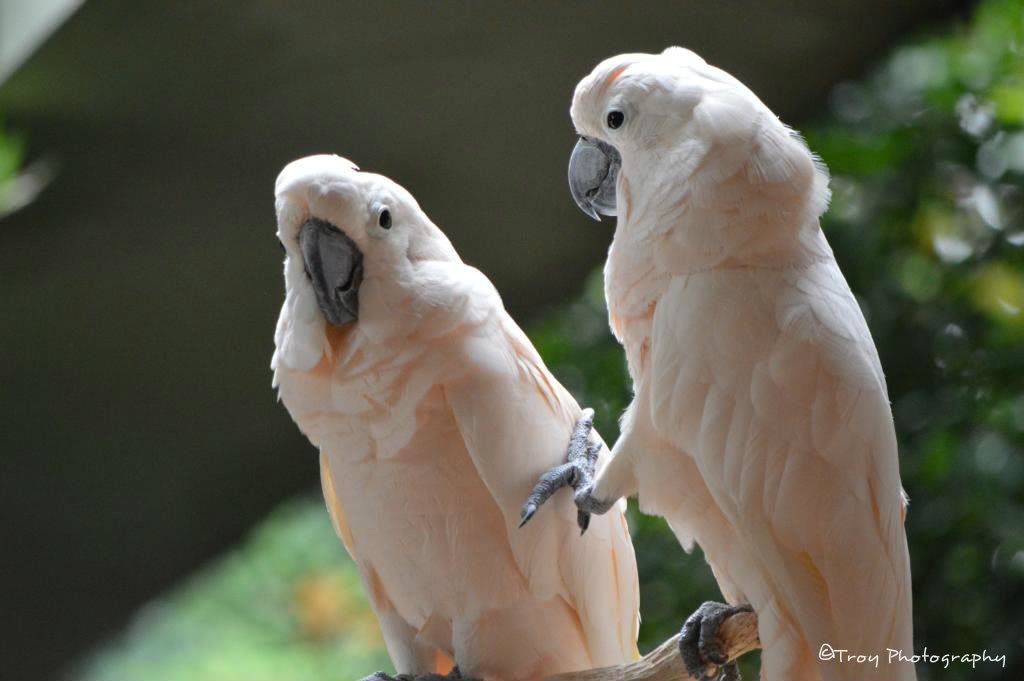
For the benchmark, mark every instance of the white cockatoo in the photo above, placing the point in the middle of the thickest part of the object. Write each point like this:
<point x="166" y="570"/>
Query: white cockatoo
<point x="434" y="416"/>
<point x="760" y="426"/>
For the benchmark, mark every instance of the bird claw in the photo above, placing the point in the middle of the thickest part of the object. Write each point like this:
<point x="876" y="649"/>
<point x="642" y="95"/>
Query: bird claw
<point x="699" y="646"/>
<point x="453" y="675"/>
<point x="577" y="472"/>
<point x="381" y="676"/>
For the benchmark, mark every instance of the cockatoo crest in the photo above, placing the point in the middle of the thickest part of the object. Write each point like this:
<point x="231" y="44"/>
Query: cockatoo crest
<point x="690" y="136"/>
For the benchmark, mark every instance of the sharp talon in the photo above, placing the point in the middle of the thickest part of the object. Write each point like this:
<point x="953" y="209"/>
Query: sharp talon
<point x="577" y="472"/>
<point x="731" y="672"/>
<point x="583" y="520"/>
<point x="527" y="513"/>
<point x="699" y="646"/>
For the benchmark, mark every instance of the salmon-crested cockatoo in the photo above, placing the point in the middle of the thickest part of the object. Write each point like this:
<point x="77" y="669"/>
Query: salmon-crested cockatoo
<point x="760" y="426"/>
<point x="434" y="415"/>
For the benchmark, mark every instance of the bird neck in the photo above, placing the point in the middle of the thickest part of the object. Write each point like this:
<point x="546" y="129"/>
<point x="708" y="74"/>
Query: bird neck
<point x="692" y="224"/>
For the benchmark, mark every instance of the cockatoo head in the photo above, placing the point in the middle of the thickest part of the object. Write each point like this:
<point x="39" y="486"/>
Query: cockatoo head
<point x="671" y="117"/>
<point x="348" y="236"/>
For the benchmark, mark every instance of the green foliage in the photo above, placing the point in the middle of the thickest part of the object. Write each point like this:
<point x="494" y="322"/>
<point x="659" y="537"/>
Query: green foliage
<point x="927" y="222"/>
<point x="932" y="242"/>
<point x="287" y="604"/>
<point x="12" y="150"/>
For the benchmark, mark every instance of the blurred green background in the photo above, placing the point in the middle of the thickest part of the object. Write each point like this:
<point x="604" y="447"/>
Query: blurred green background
<point x="926" y="151"/>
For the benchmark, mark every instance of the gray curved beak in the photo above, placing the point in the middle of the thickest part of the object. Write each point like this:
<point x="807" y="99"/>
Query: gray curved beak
<point x="334" y="265"/>
<point x="593" y="169"/>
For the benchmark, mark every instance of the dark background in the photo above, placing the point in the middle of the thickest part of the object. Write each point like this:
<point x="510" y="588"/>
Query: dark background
<point x="139" y="435"/>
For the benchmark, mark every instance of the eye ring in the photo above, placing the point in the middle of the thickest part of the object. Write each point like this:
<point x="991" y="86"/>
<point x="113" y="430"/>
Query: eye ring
<point x="615" y="119"/>
<point x="385" y="219"/>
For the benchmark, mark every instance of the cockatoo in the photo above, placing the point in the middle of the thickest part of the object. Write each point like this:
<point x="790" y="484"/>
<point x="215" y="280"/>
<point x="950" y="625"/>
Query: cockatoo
<point x="434" y="415"/>
<point x="760" y="426"/>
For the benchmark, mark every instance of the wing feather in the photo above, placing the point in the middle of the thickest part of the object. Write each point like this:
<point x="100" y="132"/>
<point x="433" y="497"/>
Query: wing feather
<point x="792" y="432"/>
<point x="334" y="508"/>
<point x="515" y="419"/>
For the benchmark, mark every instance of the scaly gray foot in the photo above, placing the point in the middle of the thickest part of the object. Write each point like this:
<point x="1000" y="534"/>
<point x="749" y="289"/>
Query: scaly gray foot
<point x="381" y="676"/>
<point x="698" y="642"/>
<point x="453" y="675"/>
<point x="577" y="472"/>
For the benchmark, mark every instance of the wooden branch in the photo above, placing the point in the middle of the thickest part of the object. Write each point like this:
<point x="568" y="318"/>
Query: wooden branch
<point x="737" y="635"/>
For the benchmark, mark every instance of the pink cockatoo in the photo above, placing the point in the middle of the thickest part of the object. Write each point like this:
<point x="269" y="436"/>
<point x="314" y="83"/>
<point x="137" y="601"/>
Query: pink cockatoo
<point x="434" y="415"/>
<point x="760" y="426"/>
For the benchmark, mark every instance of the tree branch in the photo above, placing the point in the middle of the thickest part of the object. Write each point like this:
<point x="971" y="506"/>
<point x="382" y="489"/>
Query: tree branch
<point x="737" y="635"/>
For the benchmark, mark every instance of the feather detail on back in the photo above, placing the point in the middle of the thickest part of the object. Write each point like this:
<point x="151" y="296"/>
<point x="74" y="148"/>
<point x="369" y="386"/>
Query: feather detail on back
<point x="781" y="399"/>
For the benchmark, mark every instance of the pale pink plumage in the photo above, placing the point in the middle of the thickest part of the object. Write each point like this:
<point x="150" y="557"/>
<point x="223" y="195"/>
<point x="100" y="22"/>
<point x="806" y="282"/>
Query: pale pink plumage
<point x="434" y="415"/>
<point x="761" y="425"/>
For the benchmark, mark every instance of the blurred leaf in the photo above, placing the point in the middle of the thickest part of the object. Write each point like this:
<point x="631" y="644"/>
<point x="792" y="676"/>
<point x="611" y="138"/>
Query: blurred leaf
<point x="288" y="603"/>
<point x="12" y="148"/>
<point x="1009" y="101"/>
<point x="999" y="292"/>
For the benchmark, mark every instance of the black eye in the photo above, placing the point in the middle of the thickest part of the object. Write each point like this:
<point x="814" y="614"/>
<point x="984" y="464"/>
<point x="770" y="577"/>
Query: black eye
<point x="385" y="219"/>
<point x="615" y="119"/>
